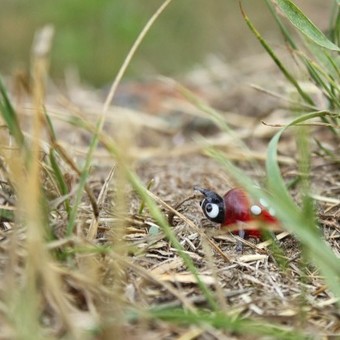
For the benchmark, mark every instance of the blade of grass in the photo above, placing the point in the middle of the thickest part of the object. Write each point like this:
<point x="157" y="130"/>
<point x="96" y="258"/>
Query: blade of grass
<point x="323" y="74"/>
<point x="334" y="32"/>
<point x="275" y="180"/>
<point x="304" y="24"/>
<point x="291" y="216"/>
<point x="101" y="120"/>
<point x="162" y="222"/>
<point x="299" y="224"/>
<point x="38" y="281"/>
<point x="277" y="61"/>
<point x="142" y="204"/>
<point x="155" y="212"/>
<point x="30" y="193"/>
<point x="10" y="116"/>
<point x="225" y="322"/>
<point x="6" y="215"/>
<point x="289" y="213"/>
<point x="321" y="70"/>
<point x="281" y="26"/>
<point x="63" y="188"/>
<point x="217" y="118"/>
<point x="323" y="57"/>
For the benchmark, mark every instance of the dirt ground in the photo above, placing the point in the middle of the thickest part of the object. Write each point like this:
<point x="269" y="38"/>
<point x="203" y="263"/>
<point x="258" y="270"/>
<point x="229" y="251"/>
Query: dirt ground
<point x="166" y="147"/>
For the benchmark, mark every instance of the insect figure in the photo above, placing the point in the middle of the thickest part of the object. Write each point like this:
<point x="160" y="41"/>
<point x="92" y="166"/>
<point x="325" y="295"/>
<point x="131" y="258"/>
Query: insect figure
<point x="236" y="210"/>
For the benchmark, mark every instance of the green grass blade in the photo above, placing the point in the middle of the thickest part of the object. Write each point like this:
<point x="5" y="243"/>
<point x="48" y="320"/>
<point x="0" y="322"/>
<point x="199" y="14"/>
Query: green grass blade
<point x="304" y="24"/>
<point x="217" y="118"/>
<point x="6" y="215"/>
<point x="49" y="125"/>
<point x="58" y="174"/>
<point x="296" y="220"/>
<point x="159" y="217"/>
<point x="292" y="217"/>
<point x="100" y="122"/>
<point x="281" y="26"/>
<point x="10" y="116"/>
<point x="142" y="204"/>
<point x="335" y="66"/>
<point x="226" y="322"/>
<point x="321" y="68"/>
<point x="325" y="83"/>
<point x="322" y="56"/>
<point x="275" y="180"/>
<point x="277" y="61"/>
<point x="334" y="31"/>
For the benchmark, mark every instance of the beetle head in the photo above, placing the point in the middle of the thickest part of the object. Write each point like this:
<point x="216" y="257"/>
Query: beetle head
<point x="212" y="205"/>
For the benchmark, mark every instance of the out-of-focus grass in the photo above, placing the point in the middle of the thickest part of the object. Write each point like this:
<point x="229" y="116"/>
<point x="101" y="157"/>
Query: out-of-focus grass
<point x="99" y="33"/>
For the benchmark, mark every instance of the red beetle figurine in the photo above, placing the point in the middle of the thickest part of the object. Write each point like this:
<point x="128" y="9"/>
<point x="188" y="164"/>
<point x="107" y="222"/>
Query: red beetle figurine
<point x="235" y="209"/>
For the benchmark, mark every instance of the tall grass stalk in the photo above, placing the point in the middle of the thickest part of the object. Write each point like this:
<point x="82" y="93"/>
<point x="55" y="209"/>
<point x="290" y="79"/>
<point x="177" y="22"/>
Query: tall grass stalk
<point x="314" y="50"/>
<point x="101" y="120"/>
<point x="320" y="65"/>
<point x="299" y="221"/>
<point x="40" y="283"/>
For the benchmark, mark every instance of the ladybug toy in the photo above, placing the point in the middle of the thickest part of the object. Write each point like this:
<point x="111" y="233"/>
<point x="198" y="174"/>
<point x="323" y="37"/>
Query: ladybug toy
<point x="235" y="209"/>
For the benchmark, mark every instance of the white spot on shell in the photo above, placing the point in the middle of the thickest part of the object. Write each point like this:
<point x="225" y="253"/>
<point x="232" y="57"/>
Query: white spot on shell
<point x="272" y="212"/>
<point x="255" y="210"/>
<point x="263" y="202"/>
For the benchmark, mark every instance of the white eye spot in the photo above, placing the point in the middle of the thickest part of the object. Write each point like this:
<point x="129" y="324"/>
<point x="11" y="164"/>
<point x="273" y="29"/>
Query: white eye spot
<point x="255" y="210"/>
<point x="272" y="212"/>
<point x="263" y="202"/>
<point x="212" y="210"/>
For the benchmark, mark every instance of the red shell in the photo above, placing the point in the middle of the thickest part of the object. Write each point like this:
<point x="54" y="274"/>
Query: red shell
<point x="238" y="209"/>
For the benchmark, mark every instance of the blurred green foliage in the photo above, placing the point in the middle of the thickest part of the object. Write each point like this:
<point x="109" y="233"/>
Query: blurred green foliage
<point x="95" y="35"/>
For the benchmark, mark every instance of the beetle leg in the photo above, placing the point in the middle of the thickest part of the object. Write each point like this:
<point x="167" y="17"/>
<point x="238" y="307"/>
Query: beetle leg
<point x="239" y="244"/>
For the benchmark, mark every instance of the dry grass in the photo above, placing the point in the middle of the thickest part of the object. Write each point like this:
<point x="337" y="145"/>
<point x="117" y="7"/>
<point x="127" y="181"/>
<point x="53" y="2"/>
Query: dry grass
<point x="85" y="285"/>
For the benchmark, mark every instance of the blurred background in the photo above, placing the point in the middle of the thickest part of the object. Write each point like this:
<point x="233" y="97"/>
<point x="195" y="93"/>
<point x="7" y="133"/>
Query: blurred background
<point x="94" y="36"/>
